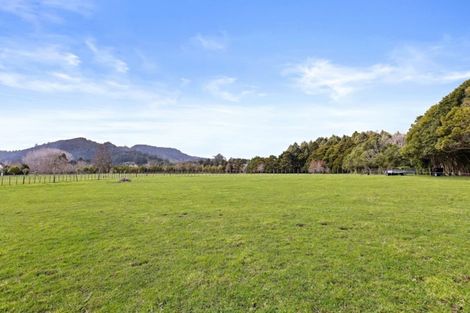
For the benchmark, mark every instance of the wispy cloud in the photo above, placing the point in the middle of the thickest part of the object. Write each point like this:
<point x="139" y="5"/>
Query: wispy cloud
<point x="45" y="54"/>
<point x="147" y="63"/>
<point x="208" y="42"/>
<point x="318" y="76"/>
<point x="78" y="6"/>
<point x="106" y="57"/>
<point x="53" y="69"/>
<point x="36" y="11"/>
<point x="57" y="82"/>
<point x="219" y="88"/>
<point x="184" y="81"/>
<point x="406" y="64"/>
<point x="216" y="88"/>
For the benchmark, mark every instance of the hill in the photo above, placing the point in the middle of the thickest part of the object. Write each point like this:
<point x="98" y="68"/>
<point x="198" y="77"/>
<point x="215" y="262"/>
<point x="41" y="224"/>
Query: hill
<point x="82" y="148"/>
<point x="170" y="154"/>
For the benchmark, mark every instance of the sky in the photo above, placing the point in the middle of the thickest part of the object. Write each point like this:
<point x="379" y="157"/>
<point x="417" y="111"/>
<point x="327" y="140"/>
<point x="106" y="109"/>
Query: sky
<point x="237" y="77"/>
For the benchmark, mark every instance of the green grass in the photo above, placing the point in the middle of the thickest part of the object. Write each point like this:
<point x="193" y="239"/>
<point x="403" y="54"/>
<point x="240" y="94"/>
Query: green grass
<point x="265" y="243"/>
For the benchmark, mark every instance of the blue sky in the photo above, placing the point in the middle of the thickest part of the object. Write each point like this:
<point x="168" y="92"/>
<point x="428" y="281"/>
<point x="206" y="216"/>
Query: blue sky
<point x="242" y="78"/>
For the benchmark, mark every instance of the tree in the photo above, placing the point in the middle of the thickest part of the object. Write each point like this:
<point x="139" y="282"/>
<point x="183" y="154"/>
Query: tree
<point x="440" y="138"/>
<point x="256" y="165"/>
<point x="14" y="170"/>
<point x="219" y="160"/>
<point x="48" y="160"/>
<point x="317" y="166"/>
<point x="454" y="133"/>
<point x="102" y="159"/>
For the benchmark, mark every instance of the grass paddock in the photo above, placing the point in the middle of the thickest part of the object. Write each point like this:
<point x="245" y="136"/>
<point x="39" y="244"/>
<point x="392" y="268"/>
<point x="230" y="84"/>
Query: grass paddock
<point x="237" y="243"/>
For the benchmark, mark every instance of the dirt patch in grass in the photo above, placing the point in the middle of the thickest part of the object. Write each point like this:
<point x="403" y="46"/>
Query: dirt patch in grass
<point x="456" y="308"/>
<point x="46" y="273"/>
<point x="462" y="279"/>
<point x="139" y="263"/>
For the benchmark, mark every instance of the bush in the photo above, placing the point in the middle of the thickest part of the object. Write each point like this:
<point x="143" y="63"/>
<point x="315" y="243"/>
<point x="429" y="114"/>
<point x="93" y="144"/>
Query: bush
<point x="14" y="170"/>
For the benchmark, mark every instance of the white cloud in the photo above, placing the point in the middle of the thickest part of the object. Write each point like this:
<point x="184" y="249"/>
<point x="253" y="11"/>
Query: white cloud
<point x="453" y="76"/>
<point x="214" y="43"/>
<point x="46" y="54"/>
<point x="215" y="87"/>
<point x="423" y="65"/>
<point x="54" y="70"/>
<point x="36" y="11"/>
<point x="319" y="76"/>
<point x="57" y="82"/>
<point x="78" y="6"/>
<point x="219" y="88"/>
<point x="106" y="57"/>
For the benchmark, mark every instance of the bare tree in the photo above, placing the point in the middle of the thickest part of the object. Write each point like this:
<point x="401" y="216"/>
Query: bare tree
<point x="102" y="160"/>
<point x="317" y="166"/>
<point x="48" y="160"/>
<point x="260" y="167"/>
<point x="398" y="139"/>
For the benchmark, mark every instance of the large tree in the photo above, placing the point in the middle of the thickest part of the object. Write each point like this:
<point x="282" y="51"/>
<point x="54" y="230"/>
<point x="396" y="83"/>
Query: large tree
<point x="48" y="160"/>
<point x="102" y="160"/>
<point x="441" y="137"/>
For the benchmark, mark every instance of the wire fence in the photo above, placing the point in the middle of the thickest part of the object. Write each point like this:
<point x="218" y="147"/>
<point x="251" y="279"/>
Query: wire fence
<point x="15" y="180"/>
<point x="10" y="180"/>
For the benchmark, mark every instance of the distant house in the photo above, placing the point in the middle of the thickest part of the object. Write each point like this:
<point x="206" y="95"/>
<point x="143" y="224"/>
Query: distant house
<point x="130" y="164"/>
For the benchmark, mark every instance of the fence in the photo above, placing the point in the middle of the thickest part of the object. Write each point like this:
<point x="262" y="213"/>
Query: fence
<point x="9" y="180"/>
<point x="13" y="180"/>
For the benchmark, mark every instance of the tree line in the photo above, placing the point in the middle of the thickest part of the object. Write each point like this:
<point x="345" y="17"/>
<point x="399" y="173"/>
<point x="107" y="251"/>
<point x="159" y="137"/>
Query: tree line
<point x="437" y="140"/>
<point x="361" y="152"/>
<point x="441" y="137"/>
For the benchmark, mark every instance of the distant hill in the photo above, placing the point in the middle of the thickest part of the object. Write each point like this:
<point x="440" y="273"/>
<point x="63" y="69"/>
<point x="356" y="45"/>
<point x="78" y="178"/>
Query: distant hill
<point x="170" y="154"/>
<point x="82" y="148"/>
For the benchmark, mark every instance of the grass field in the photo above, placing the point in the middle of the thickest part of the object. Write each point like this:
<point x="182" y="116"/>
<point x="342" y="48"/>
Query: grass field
<point x="240" y="243"/>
